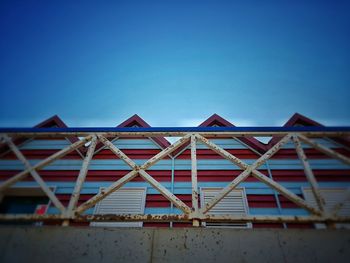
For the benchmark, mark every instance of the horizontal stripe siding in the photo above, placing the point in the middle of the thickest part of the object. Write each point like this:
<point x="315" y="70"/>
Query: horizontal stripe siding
<point x="276" y="211"/>
<point x="258" y="201"/>
<point x="259" y="196"/>
<point x="326" y="143"/>
<point x="92" y="176"/>
<point x="261" y="201"/>
<point x="179" y="164"/>
<point x="131" y="153"/>
<point x="248" y="154"/>
<point x="59" y="144"/>
<point x="209" y="154"/>
<point x="185" y="176"/>
<point x="135" y="144"/>
<point x="149" y="144"/>
<point x="181" y="187"/>
<point x="223" y="143"/>
<point x="310" y="153"/>
<point x="321" y="175"/>
<point x="44" y="144"/>
<point x="41" y="154"/>
<point x="149" y="153"/>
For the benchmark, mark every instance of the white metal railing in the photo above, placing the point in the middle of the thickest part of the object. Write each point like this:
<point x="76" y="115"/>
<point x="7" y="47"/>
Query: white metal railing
<point x="195" y="213"/>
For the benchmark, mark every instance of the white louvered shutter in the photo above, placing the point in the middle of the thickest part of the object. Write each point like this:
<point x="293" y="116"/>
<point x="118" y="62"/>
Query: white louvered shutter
<point x="332" y="197"/>
<point x="234" y="203"/>
<point x="122" y="201"/>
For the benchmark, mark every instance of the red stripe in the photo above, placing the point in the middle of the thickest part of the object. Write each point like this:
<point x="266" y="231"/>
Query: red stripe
<point x="310" y="153"/>
<point x="40" y="154"/>
<point x="261" y="201"/>
<point x="131" y="153"/>
<point x="212" y="175"/>
<point x="285" y="203"/>
<point x="321" y="175"/>
<point x="210" y="154"/>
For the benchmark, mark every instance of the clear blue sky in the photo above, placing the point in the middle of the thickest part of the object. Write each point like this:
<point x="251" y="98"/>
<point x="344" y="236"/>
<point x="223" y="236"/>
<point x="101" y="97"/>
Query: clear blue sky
<point x="174" y="62"/>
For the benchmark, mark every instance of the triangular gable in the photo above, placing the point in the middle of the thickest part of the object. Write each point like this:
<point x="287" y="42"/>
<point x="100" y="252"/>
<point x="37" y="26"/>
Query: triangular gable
<point x="56" y="121"/>
<point x="216" y="120"/>
<point x="52" y="122"/>
<point x="137" y="121"/>
<point x="296" y="120"/>
<point x="300" y="120"/>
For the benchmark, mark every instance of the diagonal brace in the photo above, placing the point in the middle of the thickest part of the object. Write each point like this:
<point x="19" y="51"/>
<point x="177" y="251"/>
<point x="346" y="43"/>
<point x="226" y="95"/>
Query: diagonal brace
<point x="136" y="170"/>
<point x="252" y="170"/>
<point x="35" y="175"/>
<point x="309" y="174"/>
<point x="44" y="163"/>
<point x="82" y="175"/>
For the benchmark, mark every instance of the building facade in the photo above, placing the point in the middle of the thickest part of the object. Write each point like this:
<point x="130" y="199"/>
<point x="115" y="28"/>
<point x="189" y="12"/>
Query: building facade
<point x="321" y="180"/>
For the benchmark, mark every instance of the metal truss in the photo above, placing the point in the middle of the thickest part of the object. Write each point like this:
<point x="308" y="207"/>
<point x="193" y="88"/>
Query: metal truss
<point x="194" y="214"/>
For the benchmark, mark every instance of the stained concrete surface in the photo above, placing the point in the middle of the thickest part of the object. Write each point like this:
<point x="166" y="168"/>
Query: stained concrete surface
<point x="94" y="244"/>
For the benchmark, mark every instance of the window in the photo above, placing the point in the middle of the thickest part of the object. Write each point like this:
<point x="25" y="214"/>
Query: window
<point x="332" y="197"/>
<point x="122" y="201"/>
<point x="234" y="203"/>
<point x="23" y="200"/>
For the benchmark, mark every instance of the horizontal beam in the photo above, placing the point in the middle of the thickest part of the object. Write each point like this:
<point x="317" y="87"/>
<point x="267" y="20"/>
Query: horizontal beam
<point x="227" y="218"/>
<point x="182" y="129"/>
<point x="175" y="134"/>
<point x="178" y="131"/>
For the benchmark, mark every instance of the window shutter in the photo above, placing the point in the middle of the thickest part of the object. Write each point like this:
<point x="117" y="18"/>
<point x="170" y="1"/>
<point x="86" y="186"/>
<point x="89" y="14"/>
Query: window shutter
<point x="122" y="201"/>
<point x="234" y="203"/>
<point x="332" y="197"/>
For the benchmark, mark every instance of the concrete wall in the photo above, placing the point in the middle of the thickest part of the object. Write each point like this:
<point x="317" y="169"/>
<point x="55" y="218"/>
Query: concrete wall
<point x="78" y="244"/>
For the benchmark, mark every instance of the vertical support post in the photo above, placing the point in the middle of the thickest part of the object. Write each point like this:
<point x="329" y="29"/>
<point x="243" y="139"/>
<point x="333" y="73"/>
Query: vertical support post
<point x="195" y="195"/>
<point x="80" y="180"/>
<point x="309" y="174"/>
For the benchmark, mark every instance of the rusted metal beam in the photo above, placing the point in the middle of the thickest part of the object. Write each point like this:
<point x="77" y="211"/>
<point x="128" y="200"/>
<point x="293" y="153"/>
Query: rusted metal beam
<point x="195" y="195"/>
<point x="165" y="192"/>
<point x="117" y="152"/>
<point x="248" y="169"/>
<point x="324" y="149"/>
<point x="176" y="218"/>
<point x="35" y="175"/>
<point x="115" y="186"/>
<point x="218" y="134"/>
<point x="43" y="163"/>
<point x="284" y="191"/>
<point x="165" y="152"/>
<point x="309" y="174"/>
<point x="82" y="175"/>
<point x="137" y="170"/>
